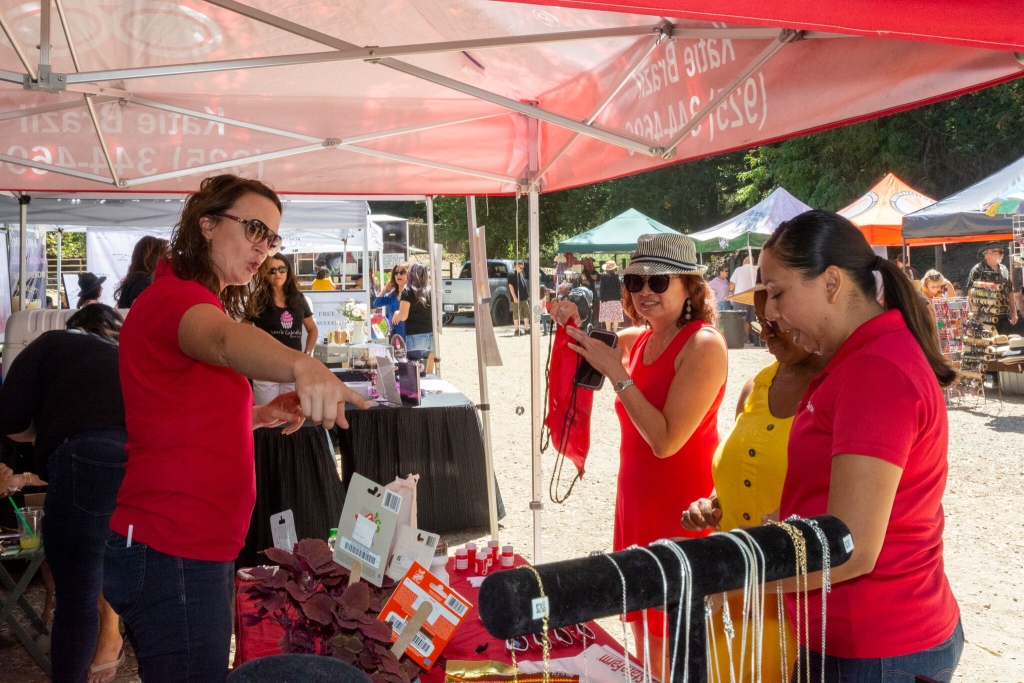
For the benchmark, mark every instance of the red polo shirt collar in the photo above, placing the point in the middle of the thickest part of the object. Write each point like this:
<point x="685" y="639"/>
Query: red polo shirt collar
<point x="887" y="322"/>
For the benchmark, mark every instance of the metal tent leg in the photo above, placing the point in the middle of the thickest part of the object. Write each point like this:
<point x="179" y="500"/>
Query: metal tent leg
<point x="481" y="361"/>
<point x="536" y="371"/>
<point x="435" y="285"/>
<point x="23" y="201"/>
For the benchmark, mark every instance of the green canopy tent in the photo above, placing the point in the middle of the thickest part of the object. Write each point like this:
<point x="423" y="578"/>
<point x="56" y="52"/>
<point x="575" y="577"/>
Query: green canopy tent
<point x="753" y="227"/>
<point x="617" y="236"/>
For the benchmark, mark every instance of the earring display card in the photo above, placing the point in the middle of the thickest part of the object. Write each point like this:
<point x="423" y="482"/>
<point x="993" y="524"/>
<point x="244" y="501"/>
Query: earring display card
<point x="449" y="609"/>
<point x="282" y="530"/>
<point x="367" y="526"/>
<point x="387" y="385"/>
<point x="411" y="545"/>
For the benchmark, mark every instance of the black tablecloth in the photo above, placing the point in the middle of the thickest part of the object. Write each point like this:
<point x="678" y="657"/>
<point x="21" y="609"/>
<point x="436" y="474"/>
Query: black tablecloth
<point x="440" y="440"/>
<point x="298" y="473"/>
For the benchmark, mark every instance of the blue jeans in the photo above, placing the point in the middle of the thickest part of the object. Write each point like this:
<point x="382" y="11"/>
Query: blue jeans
<point x="178" y="611"/>
<point x="938" y="662"/>
<point x="420" y="342"/>
<point x="724" y="305"/>
<point x="85" y="473"/>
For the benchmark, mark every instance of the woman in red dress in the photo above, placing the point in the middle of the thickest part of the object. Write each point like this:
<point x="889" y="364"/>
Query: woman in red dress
<point x="669" y="374"/>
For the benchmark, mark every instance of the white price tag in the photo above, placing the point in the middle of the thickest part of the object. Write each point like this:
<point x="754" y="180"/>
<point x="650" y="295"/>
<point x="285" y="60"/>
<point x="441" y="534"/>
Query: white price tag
<point x="364" y="530"/>
<point x="540" y="608"/>
<point x="848" y="543"/>
<point x="282" y="530"/>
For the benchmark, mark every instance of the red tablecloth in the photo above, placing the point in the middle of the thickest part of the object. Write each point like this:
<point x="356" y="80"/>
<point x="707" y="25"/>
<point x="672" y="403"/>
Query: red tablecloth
<point x="261" y="640"/>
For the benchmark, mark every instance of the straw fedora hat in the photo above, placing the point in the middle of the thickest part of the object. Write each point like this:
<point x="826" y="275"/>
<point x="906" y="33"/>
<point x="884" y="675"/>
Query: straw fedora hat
<point x="664" y="254"/>
<point x="609" y="267"/>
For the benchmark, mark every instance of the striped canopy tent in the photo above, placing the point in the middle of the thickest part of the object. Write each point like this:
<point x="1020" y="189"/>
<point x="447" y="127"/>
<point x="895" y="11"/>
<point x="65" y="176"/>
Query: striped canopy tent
<point x="879" y="212"/>
<point x="617" y="236"/>
<point x="753" y="227"/>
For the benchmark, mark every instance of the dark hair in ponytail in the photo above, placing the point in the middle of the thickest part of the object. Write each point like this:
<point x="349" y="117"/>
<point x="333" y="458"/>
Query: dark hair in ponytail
<point x="814" y="240"/>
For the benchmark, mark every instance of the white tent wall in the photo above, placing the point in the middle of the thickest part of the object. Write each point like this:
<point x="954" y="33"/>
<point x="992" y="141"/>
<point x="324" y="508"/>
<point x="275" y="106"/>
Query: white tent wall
<point x="109" y="254"/>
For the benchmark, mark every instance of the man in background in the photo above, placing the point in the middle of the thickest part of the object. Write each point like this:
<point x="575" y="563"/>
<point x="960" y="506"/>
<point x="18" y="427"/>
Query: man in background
<point x="520" y="298"/>
<point x="743" y="278"/>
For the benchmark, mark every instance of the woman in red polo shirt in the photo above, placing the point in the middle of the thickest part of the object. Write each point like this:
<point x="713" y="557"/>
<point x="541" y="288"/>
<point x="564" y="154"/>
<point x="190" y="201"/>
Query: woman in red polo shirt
<point x="190" y="485"/>
<point x="868" y="445"/>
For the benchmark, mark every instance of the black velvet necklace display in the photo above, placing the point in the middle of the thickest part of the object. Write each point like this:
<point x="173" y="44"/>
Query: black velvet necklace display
<point x="588" y="588"/>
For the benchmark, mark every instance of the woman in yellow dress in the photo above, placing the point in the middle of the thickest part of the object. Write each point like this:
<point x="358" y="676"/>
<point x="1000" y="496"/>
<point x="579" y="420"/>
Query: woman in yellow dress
<point x="749" y="470"/>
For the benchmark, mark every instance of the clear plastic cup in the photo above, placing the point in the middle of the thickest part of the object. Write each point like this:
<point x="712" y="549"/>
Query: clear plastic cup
<point x="30" y="528"/>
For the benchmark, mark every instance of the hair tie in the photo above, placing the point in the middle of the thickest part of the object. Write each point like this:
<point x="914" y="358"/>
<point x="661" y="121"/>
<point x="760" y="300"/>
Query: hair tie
<point x="877" y="263"/>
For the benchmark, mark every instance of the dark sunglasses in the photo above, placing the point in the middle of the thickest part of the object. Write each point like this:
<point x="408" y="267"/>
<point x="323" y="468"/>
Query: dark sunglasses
<point x="657" y="283"/>
<point x="256" y="231"/>
<point x="280" y="269"/>
<point x="400" y="272"/>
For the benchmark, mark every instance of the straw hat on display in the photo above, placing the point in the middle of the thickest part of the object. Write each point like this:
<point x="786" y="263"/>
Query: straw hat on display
<point x="609" y="267"/>
<point x="664" y="254"/>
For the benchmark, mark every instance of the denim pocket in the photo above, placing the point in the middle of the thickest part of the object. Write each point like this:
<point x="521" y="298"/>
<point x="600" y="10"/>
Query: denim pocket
<point x="96" y="478"/>
<point x="124" y="570"/>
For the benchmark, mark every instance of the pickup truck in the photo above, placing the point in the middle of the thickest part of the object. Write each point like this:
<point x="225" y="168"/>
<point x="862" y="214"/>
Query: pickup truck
<point x="457" y="294"/>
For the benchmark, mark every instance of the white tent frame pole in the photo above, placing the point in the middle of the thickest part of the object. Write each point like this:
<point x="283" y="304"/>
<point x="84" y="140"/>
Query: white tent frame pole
<point x="227" y="163"/>
<point x="29" y="163"/>
<point x="23" y="201"/>
<point x="536" y="373"/>
<point x="368" y="280"/>
<point x="391" y="132"/>
<point x="322" y="142"/>
<point x="21" y="113"/>
<point x="44" y="34"/>
<point x="60" y="256"/>
<point x="370" y="53"/>
<point x="435" y="286"/>
<point x="481" y="362"/>
<point x="207" y="116"/>
<point x="11" y="76"/>
<point x="621" y="139"/>
<point x="429" y="164"/>
<point x="784" y="37"/>
<point x="597" y="112"/>
<point x="66" y="28"/>
<point x="152" y="104"/>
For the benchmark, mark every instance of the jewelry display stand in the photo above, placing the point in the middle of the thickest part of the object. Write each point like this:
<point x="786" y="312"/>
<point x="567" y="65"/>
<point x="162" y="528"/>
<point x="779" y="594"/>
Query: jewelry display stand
<point x="584" y="589"/>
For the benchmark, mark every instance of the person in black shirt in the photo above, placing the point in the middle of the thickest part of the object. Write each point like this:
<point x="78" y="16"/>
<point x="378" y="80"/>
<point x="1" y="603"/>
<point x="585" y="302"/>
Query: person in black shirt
<point x="415" y="309"/>
<point x="280" y="310"/>
<point x="64" y="391"/>
<point x="147" y="252"/>
<point x="520" y="298"/>
<point x="989" y="289"/>
<point x="610" y="312"/>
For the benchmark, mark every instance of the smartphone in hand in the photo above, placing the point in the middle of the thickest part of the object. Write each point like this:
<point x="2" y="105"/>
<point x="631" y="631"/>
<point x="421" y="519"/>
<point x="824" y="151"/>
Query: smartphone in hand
<point x="586" y="376"/>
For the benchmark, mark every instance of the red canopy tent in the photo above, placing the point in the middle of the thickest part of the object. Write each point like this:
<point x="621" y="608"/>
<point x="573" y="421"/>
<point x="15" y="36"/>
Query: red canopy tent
<point x="425" y="97"/>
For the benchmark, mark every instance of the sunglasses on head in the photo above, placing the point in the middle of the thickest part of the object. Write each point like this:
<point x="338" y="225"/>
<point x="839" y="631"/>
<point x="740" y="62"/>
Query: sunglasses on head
<point x="280" y="269"/>
<point x="635" y="283"/>
<point x="256" y="231"/>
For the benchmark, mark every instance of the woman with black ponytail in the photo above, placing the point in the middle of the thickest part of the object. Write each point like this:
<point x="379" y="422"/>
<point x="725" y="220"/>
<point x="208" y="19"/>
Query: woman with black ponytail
<point x="868" y="445"/>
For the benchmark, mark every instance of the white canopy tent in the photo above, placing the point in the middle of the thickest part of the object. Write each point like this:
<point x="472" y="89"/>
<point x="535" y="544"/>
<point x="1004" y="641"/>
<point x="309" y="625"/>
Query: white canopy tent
<point x="426" y="97"/>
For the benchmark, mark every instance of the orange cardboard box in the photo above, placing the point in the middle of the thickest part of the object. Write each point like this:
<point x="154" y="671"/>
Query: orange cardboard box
<point x="449" y="609"/>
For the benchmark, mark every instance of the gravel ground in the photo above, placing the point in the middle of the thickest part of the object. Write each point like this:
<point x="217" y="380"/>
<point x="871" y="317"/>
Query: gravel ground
<point x="985" y="484"/>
